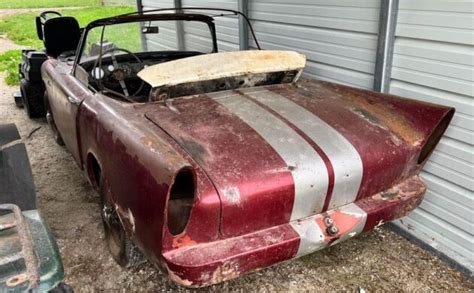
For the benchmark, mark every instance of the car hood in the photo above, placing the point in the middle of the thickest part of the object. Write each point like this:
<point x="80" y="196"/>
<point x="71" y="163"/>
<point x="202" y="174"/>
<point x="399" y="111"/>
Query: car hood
<point x="285" y="152"/>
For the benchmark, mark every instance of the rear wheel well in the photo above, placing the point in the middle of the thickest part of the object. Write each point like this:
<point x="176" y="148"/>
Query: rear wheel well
<point x="94" y="170"/>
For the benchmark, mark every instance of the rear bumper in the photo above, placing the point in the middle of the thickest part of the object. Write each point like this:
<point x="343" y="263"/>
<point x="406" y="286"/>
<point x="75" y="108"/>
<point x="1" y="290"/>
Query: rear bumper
<point x="210" y="263"/>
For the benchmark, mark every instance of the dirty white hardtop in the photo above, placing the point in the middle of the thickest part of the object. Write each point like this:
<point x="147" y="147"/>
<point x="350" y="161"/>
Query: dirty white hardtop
<point x="222" y="71"/>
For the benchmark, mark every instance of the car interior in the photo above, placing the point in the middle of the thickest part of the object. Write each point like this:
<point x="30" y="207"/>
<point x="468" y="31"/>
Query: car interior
<point x="113" y="70"/>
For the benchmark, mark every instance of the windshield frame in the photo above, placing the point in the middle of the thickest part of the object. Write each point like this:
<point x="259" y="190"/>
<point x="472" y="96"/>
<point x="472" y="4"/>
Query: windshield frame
<point x="143" y="18"/>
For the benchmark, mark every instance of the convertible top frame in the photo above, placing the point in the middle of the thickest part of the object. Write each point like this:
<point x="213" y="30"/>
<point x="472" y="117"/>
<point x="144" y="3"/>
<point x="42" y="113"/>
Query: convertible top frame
<point x="150" y="17"/>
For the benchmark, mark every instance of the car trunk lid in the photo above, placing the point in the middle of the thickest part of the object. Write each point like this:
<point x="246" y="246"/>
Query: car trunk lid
<point x="285" y="152"/>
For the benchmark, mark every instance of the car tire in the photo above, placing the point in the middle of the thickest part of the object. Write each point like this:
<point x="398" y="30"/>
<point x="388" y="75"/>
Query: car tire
<point x="52" y="125"/>
<point x="123" y="250"/>
<point x="32" y="95"/>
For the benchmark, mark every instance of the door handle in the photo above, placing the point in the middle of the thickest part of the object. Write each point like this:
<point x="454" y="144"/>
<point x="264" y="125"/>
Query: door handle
<point x="73" y="100"/>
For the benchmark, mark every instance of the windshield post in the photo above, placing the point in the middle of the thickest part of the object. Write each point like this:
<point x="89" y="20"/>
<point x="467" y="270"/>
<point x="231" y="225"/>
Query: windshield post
<point x="78" y="52"/>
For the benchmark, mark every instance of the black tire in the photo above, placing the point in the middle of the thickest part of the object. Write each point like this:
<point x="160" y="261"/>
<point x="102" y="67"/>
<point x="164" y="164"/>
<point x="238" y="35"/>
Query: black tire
<point x="123" y="250"/>
<point x="52" y="125"/>
<point x="32" y="95"/>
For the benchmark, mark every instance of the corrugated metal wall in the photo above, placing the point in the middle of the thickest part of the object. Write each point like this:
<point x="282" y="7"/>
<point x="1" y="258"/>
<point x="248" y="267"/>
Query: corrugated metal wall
<point x="338" y="37"/>
<point x="434" y="61"/>
<point x="226" y="27"/>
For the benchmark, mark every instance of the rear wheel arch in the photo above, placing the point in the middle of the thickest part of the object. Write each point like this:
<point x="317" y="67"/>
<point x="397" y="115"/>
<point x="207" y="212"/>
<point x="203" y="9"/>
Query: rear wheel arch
<point x="94" y="170"/>
<point x="120" y="245"/>
<point x="50" y="119"/>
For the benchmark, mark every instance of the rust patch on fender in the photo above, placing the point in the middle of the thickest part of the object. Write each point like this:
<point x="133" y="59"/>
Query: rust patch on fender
<point x="383" y="116"/>
<point x="224" y="272"/>
<point x="182" y="241"/>
<point x="405" y="189"/>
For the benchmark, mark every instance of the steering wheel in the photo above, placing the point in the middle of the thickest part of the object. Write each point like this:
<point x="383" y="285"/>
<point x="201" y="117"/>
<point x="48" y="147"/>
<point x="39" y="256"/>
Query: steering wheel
<point x="118" y="74"/>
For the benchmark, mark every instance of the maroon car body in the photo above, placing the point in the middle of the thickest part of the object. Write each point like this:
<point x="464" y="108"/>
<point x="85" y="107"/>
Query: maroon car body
<point x="275" y="171"/>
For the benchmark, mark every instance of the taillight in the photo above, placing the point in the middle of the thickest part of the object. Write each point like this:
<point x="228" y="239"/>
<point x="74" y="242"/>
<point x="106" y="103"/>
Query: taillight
<point x="435" y="136"/>
<point x="180" y="201"/>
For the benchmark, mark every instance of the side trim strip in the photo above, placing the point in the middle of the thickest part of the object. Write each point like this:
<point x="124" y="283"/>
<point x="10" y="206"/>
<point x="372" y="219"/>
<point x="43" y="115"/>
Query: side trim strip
<point x="345" y="159"/>
<point x="309" y="172"/>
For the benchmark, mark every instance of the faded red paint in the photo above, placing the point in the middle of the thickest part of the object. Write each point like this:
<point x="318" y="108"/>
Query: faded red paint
<point x="195" y="266"/>
<point x="231" y="152"/>
<point x="141" y="147"/>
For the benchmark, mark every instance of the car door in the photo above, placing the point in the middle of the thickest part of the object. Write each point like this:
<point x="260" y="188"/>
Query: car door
<point x="65" y="94"/>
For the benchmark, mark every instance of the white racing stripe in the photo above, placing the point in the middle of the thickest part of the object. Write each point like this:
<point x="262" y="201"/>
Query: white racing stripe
<point x="312" y="236"/>
<point x="308" y="169"/>
<point x="345" y="159"/>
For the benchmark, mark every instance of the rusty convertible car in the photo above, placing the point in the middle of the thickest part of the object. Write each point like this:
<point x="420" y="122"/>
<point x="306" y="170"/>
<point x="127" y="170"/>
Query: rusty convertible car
<point x="215" y="164"/>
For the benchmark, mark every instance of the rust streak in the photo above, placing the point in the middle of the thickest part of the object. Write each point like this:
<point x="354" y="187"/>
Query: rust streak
<point x="382" y="115"/>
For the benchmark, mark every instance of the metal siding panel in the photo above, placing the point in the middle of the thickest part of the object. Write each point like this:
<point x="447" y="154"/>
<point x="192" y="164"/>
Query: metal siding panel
<point x="456" y="149"/>
<point x="456" y="165"/>
<point x="453" y="53"/>
<point x="461" y="36"/>
<point x="436" y="19"/>
<point x="317" y="34"/>
<point x="445" y="230"/>
<point x="338" y="37"/>
<point x="324" y="53"/>
<point x="338" y="75"/>
<point x="462" y="6"/>
<point x="454" y="85"/>
<point x="153" y="4"/>
<point x="439" y="68"/>
<point x="434" y="62"/>
<point x="449" y="175"/>
<point x="457" y="193"/>
<point x="450" y="207"/>
<point x="226" y="27"/>
<point x="338" y="3"/>
<point x="463" y="104"/>
<point x="445" y="214"/>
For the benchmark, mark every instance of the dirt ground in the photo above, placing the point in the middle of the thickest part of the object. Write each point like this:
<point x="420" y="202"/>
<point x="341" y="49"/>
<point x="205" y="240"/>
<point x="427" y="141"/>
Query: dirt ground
<point x="375" y="261"/>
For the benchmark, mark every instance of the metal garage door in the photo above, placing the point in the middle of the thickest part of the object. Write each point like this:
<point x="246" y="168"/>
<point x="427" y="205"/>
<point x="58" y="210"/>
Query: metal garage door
<point x="434" y="61"/>
<point x="226" y="27"/>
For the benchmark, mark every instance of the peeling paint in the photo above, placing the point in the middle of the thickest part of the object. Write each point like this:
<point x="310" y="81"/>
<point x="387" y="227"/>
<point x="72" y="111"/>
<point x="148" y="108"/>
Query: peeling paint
<point x="226" y="271"/>
<point x="232" y="194"/>
<point x="178" y="280"/>
<point x="383" y="116"/>
<point x="184" y="240"/>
